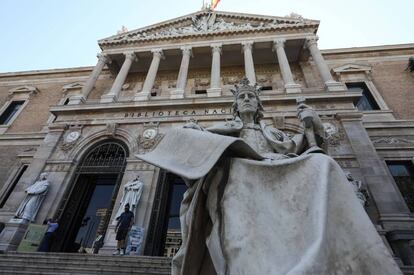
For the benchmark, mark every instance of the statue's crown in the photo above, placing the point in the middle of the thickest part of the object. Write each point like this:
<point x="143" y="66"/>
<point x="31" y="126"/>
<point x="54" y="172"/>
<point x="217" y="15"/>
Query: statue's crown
<point x="245" y="85"/>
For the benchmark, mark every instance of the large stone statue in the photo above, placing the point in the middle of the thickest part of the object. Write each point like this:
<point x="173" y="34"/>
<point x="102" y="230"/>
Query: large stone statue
<point x="35" y="194"/>
<point x="131" y="195"/>
<point x="262" y="202"/>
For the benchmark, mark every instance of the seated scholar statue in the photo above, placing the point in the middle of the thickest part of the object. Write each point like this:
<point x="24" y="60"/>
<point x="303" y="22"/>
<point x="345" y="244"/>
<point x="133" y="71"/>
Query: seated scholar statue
<point x="35" y="194"/>
<point x="259" y="202"/>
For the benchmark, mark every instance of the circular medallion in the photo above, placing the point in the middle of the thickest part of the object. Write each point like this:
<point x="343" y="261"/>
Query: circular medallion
<point x="72" y="136"/>
<point x="330" y="128"/>
<point x="149" y="133"/>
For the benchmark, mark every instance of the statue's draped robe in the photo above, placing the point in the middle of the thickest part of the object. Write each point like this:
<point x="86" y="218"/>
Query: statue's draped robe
<point x="131" y="195"/>
<point x="243" y="214"/>
<point x="31" y="204"/>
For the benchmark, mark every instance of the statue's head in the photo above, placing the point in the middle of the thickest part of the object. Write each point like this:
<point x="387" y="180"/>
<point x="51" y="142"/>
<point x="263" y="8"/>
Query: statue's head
<point x="43" y="176"/>
<point x="247" y="99"/>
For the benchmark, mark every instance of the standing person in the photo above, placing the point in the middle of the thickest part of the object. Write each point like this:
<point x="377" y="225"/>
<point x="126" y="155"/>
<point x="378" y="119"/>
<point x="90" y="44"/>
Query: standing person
<point x="47" y="239"/>
<point x="125" y="222"/>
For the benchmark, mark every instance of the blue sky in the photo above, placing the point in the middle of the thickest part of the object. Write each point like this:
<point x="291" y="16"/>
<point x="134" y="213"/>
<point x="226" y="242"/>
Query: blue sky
<point x="49" y="34"/>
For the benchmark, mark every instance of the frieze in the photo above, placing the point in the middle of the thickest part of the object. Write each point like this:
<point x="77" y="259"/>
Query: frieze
<point x="174" y="113"/>
<point x="391" y="140"/>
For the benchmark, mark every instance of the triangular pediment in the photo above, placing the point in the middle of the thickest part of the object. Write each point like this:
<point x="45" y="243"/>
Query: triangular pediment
<point x="73" y="86"/>
<point x="352" y="68"/>
<point x="207" y="23"/>
<point x="24" y="89"/>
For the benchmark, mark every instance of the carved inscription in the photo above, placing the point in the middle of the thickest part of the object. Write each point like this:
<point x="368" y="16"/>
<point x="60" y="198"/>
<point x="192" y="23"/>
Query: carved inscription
<point x="174" y="113"/>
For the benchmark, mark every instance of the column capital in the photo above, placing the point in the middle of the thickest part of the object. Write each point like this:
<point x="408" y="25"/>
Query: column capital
<point x="131" y="56"/>
<point x="216" y="47"/>
<point x="311" y="40"/>
<point x="158" y="53"/>
<point x="247" y="45"/>
<point x="279" y="43"/>
<point x="187" y="50"/>
<point x="104" y="58"/>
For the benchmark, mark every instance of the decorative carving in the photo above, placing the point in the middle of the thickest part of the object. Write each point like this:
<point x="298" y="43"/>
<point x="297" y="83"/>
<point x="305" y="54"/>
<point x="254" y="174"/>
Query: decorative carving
<point x="207" y="23"/>
<point x="360" y="191"/>
<point x="391" y="140"/>
<point x="111" y="129"/>
<point x="26" y="91"/>
<point x="150" y="137"/>
<point x="334" y="134"/>
<point x="71" y="137"/>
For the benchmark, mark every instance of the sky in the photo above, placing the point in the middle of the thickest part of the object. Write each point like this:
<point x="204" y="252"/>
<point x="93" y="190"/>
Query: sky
<point x="51" y="34"/>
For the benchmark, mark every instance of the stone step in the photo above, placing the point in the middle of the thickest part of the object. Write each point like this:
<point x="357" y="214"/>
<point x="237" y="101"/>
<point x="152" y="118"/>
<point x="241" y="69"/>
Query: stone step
<point x="132" y="261"/>
<point x="74" y="263"/>
<point x="101" y="265"/>
<point x="16" y="269"/>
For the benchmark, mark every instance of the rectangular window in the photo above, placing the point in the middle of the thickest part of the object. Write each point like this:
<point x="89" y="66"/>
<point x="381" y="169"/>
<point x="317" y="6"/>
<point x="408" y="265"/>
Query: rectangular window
<point x="403" y="174"/>
<point x="11" y="187"/>
<point x="200" y="92"/>
<point x="10" y="111"/>
<point x="366" y="102"/>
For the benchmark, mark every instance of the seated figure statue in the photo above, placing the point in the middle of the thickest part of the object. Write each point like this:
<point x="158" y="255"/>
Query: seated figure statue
<point x="261" y="202"/>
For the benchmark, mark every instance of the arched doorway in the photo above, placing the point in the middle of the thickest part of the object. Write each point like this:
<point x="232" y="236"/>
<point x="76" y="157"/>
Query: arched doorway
<point x="86" y="208"/>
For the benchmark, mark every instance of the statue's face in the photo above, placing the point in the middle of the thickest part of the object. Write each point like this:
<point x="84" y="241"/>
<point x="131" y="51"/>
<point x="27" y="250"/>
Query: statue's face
<point x="247" y="102"/>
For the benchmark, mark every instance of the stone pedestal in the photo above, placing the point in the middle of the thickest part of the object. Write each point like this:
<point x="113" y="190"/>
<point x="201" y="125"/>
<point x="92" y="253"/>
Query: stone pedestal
<point x="12" y="234"/>
<point x="212" y="92"/>
<point x="177" y="94"/>
<point x="109" y="241"/>
<point x="76" y="99"/>
<point x="293" y="88"/>
<point x="333" y="86"/>
<point x="108" y="98"/>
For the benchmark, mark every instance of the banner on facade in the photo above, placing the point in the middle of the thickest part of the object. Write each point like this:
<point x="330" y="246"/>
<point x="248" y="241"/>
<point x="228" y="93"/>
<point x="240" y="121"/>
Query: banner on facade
<point x="135" y="240"/>
<point x="32" y="238"/>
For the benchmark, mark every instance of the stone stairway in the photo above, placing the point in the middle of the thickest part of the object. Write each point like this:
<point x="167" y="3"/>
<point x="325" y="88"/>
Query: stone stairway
<point x="72" y="263"/>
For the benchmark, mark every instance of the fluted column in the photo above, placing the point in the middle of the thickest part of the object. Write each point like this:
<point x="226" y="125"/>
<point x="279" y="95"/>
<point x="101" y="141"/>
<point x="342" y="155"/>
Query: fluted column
<point x="215" y="83"/>
<point x="90" y="83"/>
<point x="330" y="83"/>
<point x="145" y="93"/>
<point x="183" y="73"/>
<point x="290" y="85"/>
<point x="113" y="94"/>
<point x="248" y="62"/>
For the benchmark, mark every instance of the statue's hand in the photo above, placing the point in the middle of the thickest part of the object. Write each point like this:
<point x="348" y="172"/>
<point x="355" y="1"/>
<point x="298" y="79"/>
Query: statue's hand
<point x="192" y="125"/>
<point x="306" y="114"/>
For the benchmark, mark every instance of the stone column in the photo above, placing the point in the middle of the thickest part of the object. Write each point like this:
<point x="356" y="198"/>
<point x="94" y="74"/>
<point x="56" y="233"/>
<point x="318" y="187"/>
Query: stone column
<point x="290" y="85"/>
<point x="90" y="83"/>
<point x="390" y="204"/>
<point x="330" y="83"/>
<point x="248" y="62"/>
<point x="182" y="75"/>
<point x="113" y="94"/>
<point x="145" y="94"/>
<point x="215" y="83"/>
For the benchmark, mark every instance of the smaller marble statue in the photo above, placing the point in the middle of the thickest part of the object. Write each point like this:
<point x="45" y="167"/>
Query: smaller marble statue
<point x="131" y="194"/>
<point x="36" y="193"/>
<point x="360" y="192"/>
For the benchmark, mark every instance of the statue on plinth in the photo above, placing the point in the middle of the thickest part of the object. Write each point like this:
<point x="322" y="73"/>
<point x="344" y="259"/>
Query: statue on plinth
<point x="35" y="194"/>
<point x="131" y="195"/>
<point x="260" y="201"/>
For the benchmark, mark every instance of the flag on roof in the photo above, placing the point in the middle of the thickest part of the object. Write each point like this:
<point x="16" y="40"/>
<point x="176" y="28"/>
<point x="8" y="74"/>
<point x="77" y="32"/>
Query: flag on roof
<point x="214" y="3"/>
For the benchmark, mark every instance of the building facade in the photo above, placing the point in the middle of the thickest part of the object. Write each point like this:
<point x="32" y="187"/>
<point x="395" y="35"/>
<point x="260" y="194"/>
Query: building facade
<point x="83" y="126"/>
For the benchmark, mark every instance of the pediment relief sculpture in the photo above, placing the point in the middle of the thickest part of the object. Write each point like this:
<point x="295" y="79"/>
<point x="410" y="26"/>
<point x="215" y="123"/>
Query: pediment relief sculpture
<point x="206" y="22"/>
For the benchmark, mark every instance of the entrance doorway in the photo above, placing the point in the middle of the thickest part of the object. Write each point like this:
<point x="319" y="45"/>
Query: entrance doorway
<point x="86" y="209"/>
<point x="164" y="238"/>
